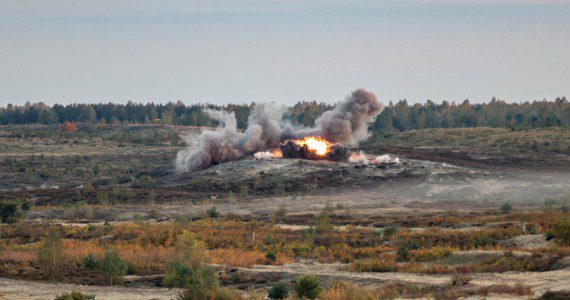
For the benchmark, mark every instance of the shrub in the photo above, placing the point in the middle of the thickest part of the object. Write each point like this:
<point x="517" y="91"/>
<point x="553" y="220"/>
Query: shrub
<point x="322" y="222"/>
<point x="179" y="275"/>
<point x="113" y="266"/>
<point x="374" y="265"/>
<point x="308" y="286"/>
<point x="348" y="290"/>
<point x="506" y="208"/>
<point x="281" y="212"/>
<point x="9" y="212"/>
<point x="90" y="262"/>
<point x="75" y="295"/>
<point x="278" y="291"/>
<point x="390" y="230"/>
<point x="191" y="250"/>
<point x="271" y="257"/>
<point x="25" y="206"/>
<point x="213" y="213"/>
<point x="561" y="232"/>
<point x="403" y="251"/>
<point x="205" y="287"/>
<point x="51" y="249"/>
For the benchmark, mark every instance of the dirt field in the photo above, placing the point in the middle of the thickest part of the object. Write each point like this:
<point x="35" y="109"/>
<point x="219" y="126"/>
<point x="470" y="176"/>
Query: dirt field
<point x="117" y="189"/>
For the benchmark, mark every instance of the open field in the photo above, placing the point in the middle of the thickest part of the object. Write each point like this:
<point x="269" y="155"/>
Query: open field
<point x="436" y="224"/>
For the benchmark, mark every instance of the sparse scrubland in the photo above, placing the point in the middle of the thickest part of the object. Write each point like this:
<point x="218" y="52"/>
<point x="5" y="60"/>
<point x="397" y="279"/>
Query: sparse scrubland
<point x="102" y="207"/>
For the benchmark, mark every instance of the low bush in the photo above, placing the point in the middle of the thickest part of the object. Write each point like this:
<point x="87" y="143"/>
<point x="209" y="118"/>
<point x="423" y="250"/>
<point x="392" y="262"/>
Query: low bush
<point x="278" y="291"/>
<point x="374" y="265"/>
<point x="561" y="231"/>
<point x="9" y="212"/>
<point x="308" y="286"/>
<point x="90" y="262"/>
<point x="270" y="257"/>
<point x="179" y="275"/>
<point x="75" y="295"/>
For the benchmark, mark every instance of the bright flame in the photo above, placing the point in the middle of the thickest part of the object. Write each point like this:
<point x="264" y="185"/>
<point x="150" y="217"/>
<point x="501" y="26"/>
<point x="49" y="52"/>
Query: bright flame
<point x="277" y="153"/>
<point x="318" y="145"/>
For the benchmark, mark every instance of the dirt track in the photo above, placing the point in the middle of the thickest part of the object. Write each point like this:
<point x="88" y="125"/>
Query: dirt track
<point x="25" y="289"/>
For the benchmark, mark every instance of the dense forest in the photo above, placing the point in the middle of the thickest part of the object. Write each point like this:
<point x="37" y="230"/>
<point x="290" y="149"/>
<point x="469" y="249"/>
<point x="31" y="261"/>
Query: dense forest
<point x="399" y="116"/>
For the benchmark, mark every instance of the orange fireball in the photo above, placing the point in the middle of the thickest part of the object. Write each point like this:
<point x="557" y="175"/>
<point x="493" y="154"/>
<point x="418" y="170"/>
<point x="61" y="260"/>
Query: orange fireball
<point x="316" y="144"/>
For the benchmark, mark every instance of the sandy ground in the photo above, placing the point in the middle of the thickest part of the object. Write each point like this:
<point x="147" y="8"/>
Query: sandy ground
<point x="540" y="282"/>
<point x="24" y="289"/>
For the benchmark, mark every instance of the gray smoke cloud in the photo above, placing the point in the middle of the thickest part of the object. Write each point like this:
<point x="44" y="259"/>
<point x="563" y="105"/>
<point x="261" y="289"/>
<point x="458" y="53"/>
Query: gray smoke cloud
<point x="347" y="123"/>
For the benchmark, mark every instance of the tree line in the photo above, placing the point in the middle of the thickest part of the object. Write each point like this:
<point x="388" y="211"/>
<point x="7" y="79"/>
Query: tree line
<point x="402" y="116"/>
<point x="395" y="117"/>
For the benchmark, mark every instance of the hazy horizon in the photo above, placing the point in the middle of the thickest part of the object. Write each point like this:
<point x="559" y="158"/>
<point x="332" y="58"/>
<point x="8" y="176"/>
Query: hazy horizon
<point x="285" y="51"/>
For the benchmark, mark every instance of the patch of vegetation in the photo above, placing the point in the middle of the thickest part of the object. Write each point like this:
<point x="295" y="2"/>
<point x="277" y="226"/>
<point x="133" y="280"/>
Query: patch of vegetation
<point x="561" y="231"/>
<point x="9" y="212"/>
<point x="308" y="286"/>
<point x="75" y="295"/>
<point x="113" y="266"/>
<point x="278" y="291"/>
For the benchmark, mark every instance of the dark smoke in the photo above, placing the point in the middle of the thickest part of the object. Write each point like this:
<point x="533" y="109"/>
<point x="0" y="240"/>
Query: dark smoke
<point x="346" y="124"/>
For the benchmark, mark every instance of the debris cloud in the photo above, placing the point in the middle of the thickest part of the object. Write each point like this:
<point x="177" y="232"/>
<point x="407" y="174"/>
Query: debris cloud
<point x="346" y="124"/>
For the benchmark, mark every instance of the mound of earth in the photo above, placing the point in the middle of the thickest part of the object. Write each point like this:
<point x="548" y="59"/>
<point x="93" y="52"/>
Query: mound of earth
<point x="294" y="175"/>
<point x="534" y="241"/>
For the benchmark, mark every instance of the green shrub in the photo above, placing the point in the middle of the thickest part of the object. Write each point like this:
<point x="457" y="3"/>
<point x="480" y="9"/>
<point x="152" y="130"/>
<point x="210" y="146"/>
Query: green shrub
<point x="390" y="230"/>
<point x="206" y="285"/>
<point x="114" y="267"/>
<point x="506" y="208"/>
<point x="213" y="213"/>
<point x="179" y="275"/>
<point x="271" y="257"/>
<point x="308" y="286"/>
<point x="9" y="212"/>
<point x="51" y="249"/>
<point x="322" y="223"/>
<point x="25" y="206"/>
<point x="90" y="262"/>
<point x="403" y="251"/>
<point x="278" y="291"/>
<point x="561" y="232"/>
<point x="75" y="295"/>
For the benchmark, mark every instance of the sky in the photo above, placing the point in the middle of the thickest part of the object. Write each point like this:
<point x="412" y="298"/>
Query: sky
<point x="65" y="51"/>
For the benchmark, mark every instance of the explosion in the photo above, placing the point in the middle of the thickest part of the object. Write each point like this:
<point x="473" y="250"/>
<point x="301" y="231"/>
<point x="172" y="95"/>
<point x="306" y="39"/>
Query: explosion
<point x="313" y="148"/>
<point x="345" y="125"/>
<point x="315" y="144"/>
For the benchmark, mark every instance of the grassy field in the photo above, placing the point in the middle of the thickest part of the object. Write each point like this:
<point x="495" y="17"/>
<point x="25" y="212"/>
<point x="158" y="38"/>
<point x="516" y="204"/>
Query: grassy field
<point x="480" y="138"/>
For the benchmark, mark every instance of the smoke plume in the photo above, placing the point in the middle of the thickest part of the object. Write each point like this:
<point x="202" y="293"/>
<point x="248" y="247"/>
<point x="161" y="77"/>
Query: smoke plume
<point x="347" y="123"/>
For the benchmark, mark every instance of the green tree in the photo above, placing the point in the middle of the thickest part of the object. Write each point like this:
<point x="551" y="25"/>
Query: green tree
<point x="113" y="266"/>
<point x="50" y="253"/>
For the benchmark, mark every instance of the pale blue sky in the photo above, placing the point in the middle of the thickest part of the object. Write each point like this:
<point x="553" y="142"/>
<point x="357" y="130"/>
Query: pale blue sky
<point x="63" y="51"/>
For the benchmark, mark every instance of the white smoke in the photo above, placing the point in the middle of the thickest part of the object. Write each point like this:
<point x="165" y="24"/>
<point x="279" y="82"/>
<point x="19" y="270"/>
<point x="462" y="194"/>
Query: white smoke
<point x="264" y="155"/>
<point x="360" y="158"/>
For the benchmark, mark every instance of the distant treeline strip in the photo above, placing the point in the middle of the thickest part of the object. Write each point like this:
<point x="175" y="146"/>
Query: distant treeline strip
<point x="400" y="116"/>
